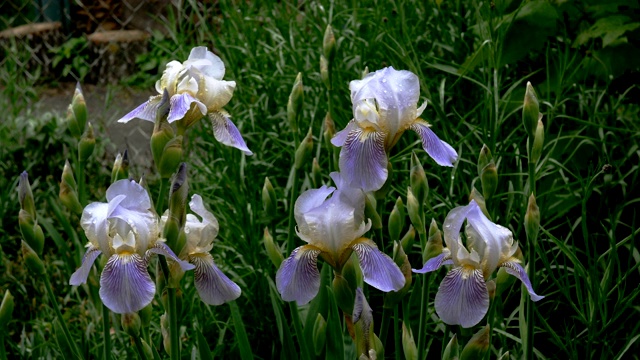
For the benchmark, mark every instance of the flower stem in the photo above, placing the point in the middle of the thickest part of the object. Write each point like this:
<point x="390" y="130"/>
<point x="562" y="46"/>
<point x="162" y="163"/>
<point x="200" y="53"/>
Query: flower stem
<point x="164" y="184"/>
<point x="139" y="347"/>
<point x="384" y="326"/>
<point x="423" y="300"/>
<point x="396" y="332"/>
<point x="531" y="248"/>
<point x="82" y="192"/>
<point x="292" y="224"/>
<point x="3" y="352"/>
<point x="295" y="317"/>
<point x="61" y="320"/>
<point x="173" y="324"/>
<point x="106" y="332"/>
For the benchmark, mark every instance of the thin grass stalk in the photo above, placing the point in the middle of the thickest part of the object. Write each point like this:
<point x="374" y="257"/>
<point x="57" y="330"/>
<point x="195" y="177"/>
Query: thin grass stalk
<point x="396" y="333"/>
<point x="61" y="320"/>
<point x="295" y="317"/>
<point x="384" y="326"/>
<point x="3" y="352"/>
<point x="139" y="348"/>
<point x="106" y="333"/>
<point x="241" y="334"/>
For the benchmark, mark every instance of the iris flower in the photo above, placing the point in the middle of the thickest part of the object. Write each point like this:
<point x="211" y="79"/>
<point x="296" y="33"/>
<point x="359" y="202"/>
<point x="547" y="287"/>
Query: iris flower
<point x="333" y="228"/>
<point x="213" y="286"/>
<point x="385" y="104"/>
<point x="463" y="298"/>
<point x="125" y="229"/>
<point x="196" y="89"/>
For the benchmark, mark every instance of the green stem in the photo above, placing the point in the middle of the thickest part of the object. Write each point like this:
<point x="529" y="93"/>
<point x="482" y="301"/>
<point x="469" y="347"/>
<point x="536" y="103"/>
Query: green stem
<point x="424" y="296"/>
<point x="106" y="327"/>
<point x="164" y="185"/>
<point x="139" y="347"/>
<point x="3" y="352"/>
<point x="82" y="192"/>
<point x="384" y="326"/>
<point x="396" y="332"/>
<point x="61" y="320"/>
<point x="531" y="248"/>
<point x="295" y="317"/>
<point x="292" y="221"/>
<point x="173" y="324"/>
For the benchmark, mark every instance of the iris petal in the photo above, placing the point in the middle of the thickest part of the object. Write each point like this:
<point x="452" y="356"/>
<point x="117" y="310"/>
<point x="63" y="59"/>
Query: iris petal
<point x="80" y="275"/>
<point x="226" y="132"/>
<point x="214" y="287"/>
<point x="517" y="270"/>
<point x="341" y="136"/>
<point x="378" y="268"/>
<point x="162" y="249"/>
<point x="146" y="111"/>
<point x="462" y="298"/>
<point x="363" y="160"/>
<point x="180" y="105"/>
<point x="125" y="284"/>
<point x="298" y="278"/>
<point x="433" y="264"/>
<point x="440" y="151"/>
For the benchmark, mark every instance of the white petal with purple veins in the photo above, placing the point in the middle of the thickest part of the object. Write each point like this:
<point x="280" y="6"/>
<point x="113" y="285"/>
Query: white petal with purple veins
<point x="341" y="136"/>
<point x="162" y="249"/>
<point x="125" y="284"/>
<point x="517" y="270"/>
<point x="363" y="160"/>
<point x="434" y="263"/>
<point x="146" y="111"/>
<point x="378" y="268"/>
<point x="180" y="105"/>
<point x="462" y="298"/>
<point x="226" y="132"/>
<point x="80" y="275"/>
<point x="440" y="151"/>
<point x="298" y="278"/>
<point x="213" y="286"/>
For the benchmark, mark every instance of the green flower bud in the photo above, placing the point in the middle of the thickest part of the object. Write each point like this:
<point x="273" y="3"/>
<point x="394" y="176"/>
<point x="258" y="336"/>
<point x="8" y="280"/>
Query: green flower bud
<point x="162" y="131"/>
<point x="178" y="197"/>
<point x="475" y="195"/>
<point x="370" y="211"/>
<point x="491" y="289"/>
<point x="148" y="353"/>
<point x="68" y="194"/>
<point x="32" y="260"/>
<point x="365" y="72"/>
<point x="344" y="293"/>
<point x="273" y="251"/>
<point x="538" y="142"/>
<point x="25" y="196"/>
<point x="120" y="168"/>
<point x="451" y="352"/>
<point x="484" y="158"/>
<point x="87" y="144"/>
<point x="77" y="113"/>
<point x="329" y="44"/>
<point x="319" y="334"/>
<point x="532" y="219"/>
<point x="489" y="179"/>
<point x="408" y="343"/>
<point x="396" y="220"/>
<point x="171" y="157"/>
<point x="316" y="173"/>
<point x="402" y="260"/>
<point x="408" y="239"/>
<point x="131" y="324"/>
<point x="294" y="105"/>
<point x="414" y="211"/>
<point x="304" y="150"/>
<point x="324" y="72"/>
<point x="269" y="200"/>
<point x="530" y="111"/>
<point x="31" y="231"/>
<point x="164" y="330"/>
<point x="478" y="346"/>
<point x="363" y="320"/>
<point x="418" y="180"/>
<point x="6" y="310"/>
<point x="434" y="242"/>
<point x="329" y="130"/>
<point x="146" y="315"/>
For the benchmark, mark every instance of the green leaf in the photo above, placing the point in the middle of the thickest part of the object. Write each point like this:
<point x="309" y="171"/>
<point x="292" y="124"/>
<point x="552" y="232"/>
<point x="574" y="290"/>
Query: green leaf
<point x="289" y="351"/>
<point x="203" y="347"/>
<point x="241" y="334"/>
<point x="335" y="344"/>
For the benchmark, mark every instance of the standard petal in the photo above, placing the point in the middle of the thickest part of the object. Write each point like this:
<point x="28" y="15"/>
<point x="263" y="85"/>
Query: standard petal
<point x="298" y="278"/>
<point x="378" y="268"/>
<point x="462" y="298"/>
<point x="125" y="284"/>
<point x="95" y="225"/>
<point x="215" y="94"/>
<point x="214" y="287"/>
<point x="136" y="197"/>
<point x="211" y="66"/>
<point x="162" y="249"/>
<point x="180" y="105"/>
<point x="440" y="151"/>
<point x="226" y="132"/>
<point x="208" y="219"/>
<point x="341" y="136"/>
<point x="146" y="111"/>
<point x="80" y="275"/>
<point x="517" y="270"/>
<point x="433" y="264"/>
<point x="491" y="241"/>
<point x="363" y="160"/>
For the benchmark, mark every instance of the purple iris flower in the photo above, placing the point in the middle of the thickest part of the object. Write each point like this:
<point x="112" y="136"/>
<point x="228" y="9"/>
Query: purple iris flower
<point x="385" y="104"/>
<point x="333" y="228"/>
<point x="125" y="229"/>
<point x="196" y="89"/>
<point x="213" y="286"/>
<point x="463" y="298"/>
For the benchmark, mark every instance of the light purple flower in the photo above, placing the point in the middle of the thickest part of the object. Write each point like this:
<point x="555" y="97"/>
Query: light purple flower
<point x="463" y="298"/>
<point x="196" y="89"/>
<point x="213" y="286"/>
<point x="385" y="104"/>
<point x="125" y="229"/>
<point x="333" y="227"/>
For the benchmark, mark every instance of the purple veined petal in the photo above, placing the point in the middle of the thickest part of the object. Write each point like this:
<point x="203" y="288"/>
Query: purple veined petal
<point x="125" y="284"/>
<point x="226" y="132"/>
<point x="363" y="160"/>
<point x="214" y="287"/>
<point x="161" y="248"/>
<point x="362" y="310"/>
<point x="80" y="275"/>
<point x="462" y="298"/>
<point x="440" y="151"/>
<point x="180" y="105"/>
<point x="341" y="136"/>
<point x="378" y="269"/>
<point x="434" y="263"/>
<point x="298" y="278"/>
<point x="146" y="111"/>
<point x="517" y="270"/>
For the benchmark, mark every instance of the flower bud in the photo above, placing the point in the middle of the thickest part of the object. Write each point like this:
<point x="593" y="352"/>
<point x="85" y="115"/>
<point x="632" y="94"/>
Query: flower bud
<point x="477" y="346"/>
<point x="402" y="260"/>
<point x="363" y="319"/>
<point x="484" y="158"/>
<point x="319" y="334"/>
<point x="316" y="173"/>
<point x="530" y="111"/>
<point x="304" y="150"/>
<point x="31" y="231"/>
<point x="68" y="194"/>
<point x="344" y="293"/>
<point x="77" y="113"/>
<point x="408" y="344"/>
<point x="87" y="144"/>
<point x="489" y="179"/>
<point x="396" y="220"/>
<point x="408" y="239"/>
<point x="273" y="251"/>
<point x="131" y="324"/>
<point x="269" y="200"/>
<point x="162" y="131"/>
<point x="161" y="282"/>
<point x="294" y="105"/>
<point x="451" y="352"/>
<point x="164" y="330"/>
<point x="171" y="157"/>
<point x="324" y="72"/>
<point x="6" y="310"/>
<point x="120" y="168"/>
<point x="370" y="211"/>
<point x="146" y="315"/>
<point x="532" y="219"/>
<point x="418" y="180"/>
<point x="538" y="142"/>
<point x="415" y="213"/>
<point x="365" y="72"/>
<point x="329" y="44"/>
<point x="178" y="197"/>
<point x="148" y="353"/>
<point x="329" y="130"/>
<point x="475" y="195"/>
<point x="32" y="260"/>
<point x="491" y="289"/>
<point x="434" y="242"/>
<point x="25" y="196"/>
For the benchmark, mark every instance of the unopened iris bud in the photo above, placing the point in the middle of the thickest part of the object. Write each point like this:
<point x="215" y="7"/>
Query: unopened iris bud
<point x="370" y="211"/>
<point x="530" y="111"/>
<point x="6" y="310"/>
<point x="402" y="260"/>
<point x="538" y="142"/>
<point x="434" y="242"/>
<point x="408" y="239"/>
<point x="164" y="330"/>
<point x="120" y="168"/>
<point x="418" y="180"/>
<point x="179" y="194"/>
<point x="304" y="150"/>
<point x="344" y="294"/>
<point x="475" y="195"/>
<point x="329" y="44"/>
<point x="171" y="157"/>
<point x="484" y="158"/>
<point x="324" y="72"/>
<point x="87" y="144"/>
<point x="477" y="346"/>
<point x="489" y="179"/>
<point x="131" y="324"/>
<point x="77" y="113"/>
<point x="396" y="220"/>
<point x="316" y="173"/>
<point x="32" y="260"/>
<point x="27" y="218"/>
<point x="363" y="319"/>
<point x="365" y="72"/>
<point x="329" y="130"/>
<point x="491" y="289"/>
<point x="294" y="105"/>
<point x="145" y="315"/>
<point x="414" y="211"/>
<point x="451" y="352"/>
<point x="268" y="197"/>
<point x="532" y="219"/>
<point x="25" y="196"/>
<point x="319" y="334"/>
<point x="408" y="343"/>
<point x="273" y="251"/>
<point x="68" y="194"/>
